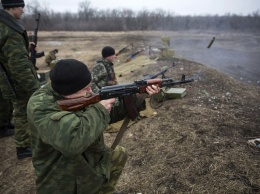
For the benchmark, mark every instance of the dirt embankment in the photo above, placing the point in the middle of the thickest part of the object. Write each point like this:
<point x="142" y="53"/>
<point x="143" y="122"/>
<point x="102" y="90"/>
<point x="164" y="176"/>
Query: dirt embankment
<point x="196" y="144"/>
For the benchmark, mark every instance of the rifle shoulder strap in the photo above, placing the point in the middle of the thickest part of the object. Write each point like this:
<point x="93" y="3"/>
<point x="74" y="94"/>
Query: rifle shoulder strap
<point x="121" y="132"/>
<point x="126" y="122"/>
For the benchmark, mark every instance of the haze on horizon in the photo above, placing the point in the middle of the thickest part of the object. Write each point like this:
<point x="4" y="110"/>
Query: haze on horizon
<point x="184" y="7"/>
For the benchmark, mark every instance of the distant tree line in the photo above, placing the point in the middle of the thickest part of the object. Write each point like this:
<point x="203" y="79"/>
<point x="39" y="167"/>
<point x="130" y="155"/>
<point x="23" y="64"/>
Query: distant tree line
<point x="90" y="19"/>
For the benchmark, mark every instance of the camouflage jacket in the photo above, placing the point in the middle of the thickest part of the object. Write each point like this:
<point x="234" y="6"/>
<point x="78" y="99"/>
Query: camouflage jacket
<point x="14" y="57"/>
<point x="69" y="153"/>
<point x="102" y="73"/>
<point x="50" y="57"/>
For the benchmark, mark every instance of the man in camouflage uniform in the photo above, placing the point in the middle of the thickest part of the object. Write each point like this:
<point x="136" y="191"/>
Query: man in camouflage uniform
<point x="6" y="112"/>
<point x="22" y="78"/>
<point x="69" y="152"/>
<point x="103" y="73"/>
<point x="51" y="56"/>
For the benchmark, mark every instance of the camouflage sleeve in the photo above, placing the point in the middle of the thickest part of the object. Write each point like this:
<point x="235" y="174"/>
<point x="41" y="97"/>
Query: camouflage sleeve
<point x="112" y="74"/>
<point x="48" y="58"/>
<point x="99" y="75"/>
<point x="73" y="132"/>
<point x="53" y="56"/>
<point x="94" y="88"/>
<point x="19" y="64"/>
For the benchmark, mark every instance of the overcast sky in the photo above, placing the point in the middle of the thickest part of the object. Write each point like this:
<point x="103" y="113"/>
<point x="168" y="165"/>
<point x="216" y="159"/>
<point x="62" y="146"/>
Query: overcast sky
<point x="179" y="7"/>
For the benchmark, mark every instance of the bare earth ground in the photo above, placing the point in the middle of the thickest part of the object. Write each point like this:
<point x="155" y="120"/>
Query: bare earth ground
<point x="192" y="145"/>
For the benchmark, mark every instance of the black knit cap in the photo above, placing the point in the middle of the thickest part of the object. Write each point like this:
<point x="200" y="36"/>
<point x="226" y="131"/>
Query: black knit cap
<point x="12" y="3"/>
<point x="69" y="76"/>
<point x="107" y="51"/>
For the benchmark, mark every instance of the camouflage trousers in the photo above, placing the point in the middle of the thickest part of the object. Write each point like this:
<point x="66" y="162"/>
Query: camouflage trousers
<point x="6" y="111"/>
<point x="118" y="160"/>
<point x="21" y="135"/>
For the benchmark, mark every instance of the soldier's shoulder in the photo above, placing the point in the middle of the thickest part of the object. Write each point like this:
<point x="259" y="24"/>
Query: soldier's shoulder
<point x="6" y="30"/>
<point x="99" y="64"/>
<point x="101" y="60"/>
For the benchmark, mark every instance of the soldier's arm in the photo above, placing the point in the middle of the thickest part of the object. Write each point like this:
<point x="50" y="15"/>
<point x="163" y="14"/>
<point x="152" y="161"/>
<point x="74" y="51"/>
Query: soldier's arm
<point x="73" y="132"/>
<point x="113" y="80"/>
<point x="21" y="68"/>
<point x="99" y="75"/>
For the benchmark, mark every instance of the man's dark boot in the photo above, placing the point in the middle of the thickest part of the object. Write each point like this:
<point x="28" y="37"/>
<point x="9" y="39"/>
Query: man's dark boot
<point x="23" y="152"/>
<point x="6" y="132"/>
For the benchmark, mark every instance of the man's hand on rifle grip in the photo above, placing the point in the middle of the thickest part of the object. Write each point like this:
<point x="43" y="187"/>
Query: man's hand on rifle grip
<point x="153" y="89"/>
<point x="30" y="46"/>
<point x="108" y="103"/>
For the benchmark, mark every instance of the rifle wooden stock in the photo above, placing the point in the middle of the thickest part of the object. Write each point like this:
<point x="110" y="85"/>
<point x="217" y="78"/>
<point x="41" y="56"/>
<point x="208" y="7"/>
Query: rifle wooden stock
<point x="75" y="104"/>
<point x="115" y="91"/>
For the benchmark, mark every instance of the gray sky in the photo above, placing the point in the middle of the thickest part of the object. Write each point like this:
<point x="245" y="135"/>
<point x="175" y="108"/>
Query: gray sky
<point x="179" y="7"/>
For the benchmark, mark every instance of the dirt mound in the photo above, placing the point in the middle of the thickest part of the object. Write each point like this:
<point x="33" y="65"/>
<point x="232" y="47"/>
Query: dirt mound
<point x="197" y="144"/>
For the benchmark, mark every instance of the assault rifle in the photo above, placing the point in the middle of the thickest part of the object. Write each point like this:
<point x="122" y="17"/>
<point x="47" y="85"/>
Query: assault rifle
<point x="6" y="78"/>
<point x="34" y="53"/>
<point x="116" y="91"/>
<point x="147" y="76"/>
<point x="120" y="51"/>
<point x="134" y="54"/>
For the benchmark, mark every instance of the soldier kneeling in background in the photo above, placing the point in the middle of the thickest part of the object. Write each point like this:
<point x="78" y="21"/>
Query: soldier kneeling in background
<point x="51" y="56"/>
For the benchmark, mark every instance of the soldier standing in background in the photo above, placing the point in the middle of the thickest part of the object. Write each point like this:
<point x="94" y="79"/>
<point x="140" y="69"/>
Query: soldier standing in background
<point x="51" y="56"/>
<point x="103" y="73"/>
<point x="21" y="79"/>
